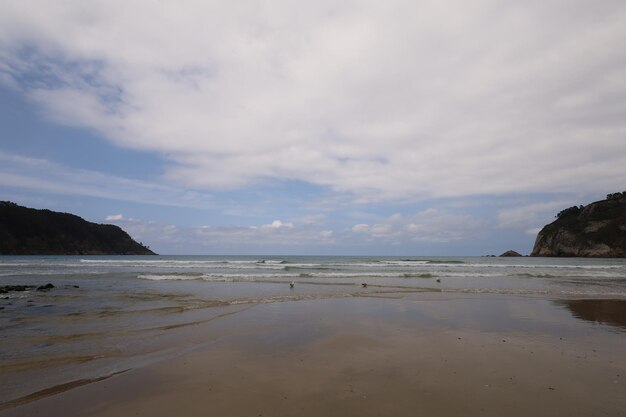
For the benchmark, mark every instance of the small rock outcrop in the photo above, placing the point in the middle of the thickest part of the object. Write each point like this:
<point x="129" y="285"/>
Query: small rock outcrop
<point x="27" y="231"/>
<point x="596" y="230"/>
<point x="510" y="254"/>
<point x="4" y="289"/>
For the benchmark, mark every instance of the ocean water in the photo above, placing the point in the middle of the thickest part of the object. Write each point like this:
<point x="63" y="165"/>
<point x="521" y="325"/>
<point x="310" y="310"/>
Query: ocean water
<point x="101" y="276"/>
<point x="108" y="314"/>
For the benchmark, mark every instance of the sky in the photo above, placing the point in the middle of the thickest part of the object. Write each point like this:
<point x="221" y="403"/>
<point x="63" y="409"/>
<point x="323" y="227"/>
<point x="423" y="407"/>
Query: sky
<point x="329" y="128"/>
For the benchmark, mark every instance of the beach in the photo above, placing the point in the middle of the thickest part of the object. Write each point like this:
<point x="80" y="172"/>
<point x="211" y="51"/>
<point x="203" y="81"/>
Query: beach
<point x="249" y="345"/>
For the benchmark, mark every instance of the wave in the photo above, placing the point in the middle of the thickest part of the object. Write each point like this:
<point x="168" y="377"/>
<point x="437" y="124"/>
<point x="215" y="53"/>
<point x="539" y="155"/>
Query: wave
<point x="447" y="262"/>
<point x="373" y="264"/>
<point x="173" y="262"/>
<point x="195" y="264"/>
<point x="547" y="266"/>
<point x="529" y="275"/>
<point x="310" y="279"/>
<point x="425" y="275"/>
<point x="334" y="274"/>
<point x="312" y="275"/>
<point x="271" y="261"/>
<point x="261" y="276"/>
<point x="213" y="277"/>
<point x="170" y="277"/>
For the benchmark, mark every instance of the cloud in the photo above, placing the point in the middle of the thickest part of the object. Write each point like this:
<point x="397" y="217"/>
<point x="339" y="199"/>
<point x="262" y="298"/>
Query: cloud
<point x="360" y="228"/>
<point x="406" y="100"/>
<point x="430" y="226"/>
<point x="39" y="174"/>
<point x="427" y="227"/>
<point x="534" y="232"/>
<point x="435" y="225"/>
<point x="277" y="224"/>
<point x="114" y="217"/>
<point x="157" y="235"/>
<point x="170" y="238"/>
<point x="313" y="219"/>
<point x="529" y="216"/>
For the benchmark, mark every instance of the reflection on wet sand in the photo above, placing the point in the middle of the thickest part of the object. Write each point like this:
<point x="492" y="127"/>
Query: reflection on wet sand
<point x="609" y="312"/>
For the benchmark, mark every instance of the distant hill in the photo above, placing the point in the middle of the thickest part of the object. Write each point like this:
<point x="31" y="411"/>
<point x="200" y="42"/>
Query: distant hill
<point x="27" y="231"/>
<point x="510" y="254"/>
<point x="595" y="230"/>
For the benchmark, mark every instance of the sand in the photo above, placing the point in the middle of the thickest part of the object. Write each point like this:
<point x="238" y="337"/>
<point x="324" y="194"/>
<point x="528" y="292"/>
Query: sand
<point x="398" y="355"/>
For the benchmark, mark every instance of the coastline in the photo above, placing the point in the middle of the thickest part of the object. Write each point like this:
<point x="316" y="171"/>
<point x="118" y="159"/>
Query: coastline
<point x="375" y="354"/>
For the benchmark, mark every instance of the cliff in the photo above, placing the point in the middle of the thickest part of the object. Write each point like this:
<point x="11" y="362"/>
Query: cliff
<point x="27" y="231"/>
<point x="595" y="230"/>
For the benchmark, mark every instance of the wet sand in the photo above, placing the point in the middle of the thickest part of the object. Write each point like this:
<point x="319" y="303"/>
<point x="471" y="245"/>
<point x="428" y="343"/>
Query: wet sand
<point x="428" y="354"/>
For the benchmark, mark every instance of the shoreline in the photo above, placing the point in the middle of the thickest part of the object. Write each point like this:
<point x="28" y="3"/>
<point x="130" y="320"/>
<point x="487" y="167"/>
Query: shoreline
<point x="371" y="355"/>
<point x="57" y="389"/>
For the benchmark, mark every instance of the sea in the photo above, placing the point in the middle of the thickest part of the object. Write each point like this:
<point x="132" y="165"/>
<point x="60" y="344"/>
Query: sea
<point x="107" y="314"/>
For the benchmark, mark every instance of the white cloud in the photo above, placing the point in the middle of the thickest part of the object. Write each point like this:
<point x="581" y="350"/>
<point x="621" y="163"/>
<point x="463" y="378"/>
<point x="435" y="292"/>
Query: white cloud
<point x="431" y="225"/>
<point x="381" y="229"/>
<point x="313" y="219"/>
<point x="38" y="174"/>
<point x="327" y="233"/>
<point x="529" y="216"/>
<point x="114" y="217"/>
<point x="360" y="228"/>
<point x="261" y="238"/>
<point x="425" y="227"/>
<point x="533" y="231"/>
<point x="398" y="100"/>
<point x="277" y="224"/>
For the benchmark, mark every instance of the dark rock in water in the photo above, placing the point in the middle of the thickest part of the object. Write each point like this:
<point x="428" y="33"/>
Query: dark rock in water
<point x="27" y="231"/>
<point x="4" y="289"/>
<point x="8" y="288"/>
<point x="595" y="230"/>
<point x="45" y="287"/>
<point x="510" y="254"/>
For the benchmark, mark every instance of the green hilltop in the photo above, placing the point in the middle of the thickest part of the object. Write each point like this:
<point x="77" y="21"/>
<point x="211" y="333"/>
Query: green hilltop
<point x="28" y="231"/>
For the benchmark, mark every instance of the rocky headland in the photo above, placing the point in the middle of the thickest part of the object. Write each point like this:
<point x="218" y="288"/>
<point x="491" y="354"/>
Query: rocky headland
<point x="27" y="231"/>
<point x="510" y="254"/>
<point x="595" y="230"/>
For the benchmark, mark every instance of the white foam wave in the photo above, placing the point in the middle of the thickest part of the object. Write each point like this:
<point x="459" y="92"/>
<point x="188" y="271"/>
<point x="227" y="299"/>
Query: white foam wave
<point x="275" y="276"/>
<point x="158" y="277"/>
<point x="170" y="264"/>
<point x="403" y="263"/>
<point x="540" y="266"/>
<point x="271" y="261"/>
